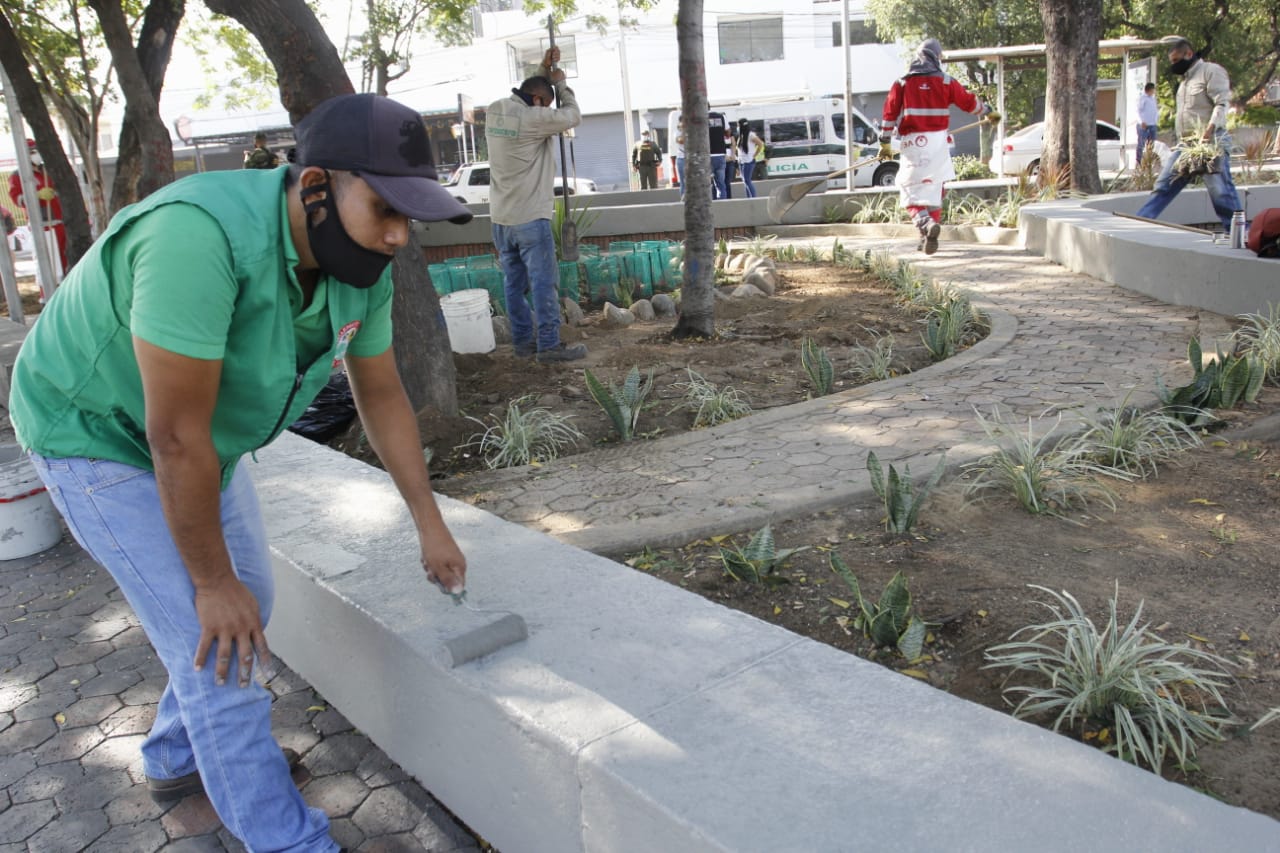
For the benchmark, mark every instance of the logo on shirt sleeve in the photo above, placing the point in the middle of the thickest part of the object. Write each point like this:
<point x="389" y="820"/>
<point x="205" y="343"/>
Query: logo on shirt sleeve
<point x="345" y="334"/>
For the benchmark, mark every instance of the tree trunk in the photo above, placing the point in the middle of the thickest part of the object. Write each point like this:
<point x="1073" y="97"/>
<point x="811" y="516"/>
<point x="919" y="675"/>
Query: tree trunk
<point x="1069" y="155"/>
<point x="26" y="91"/>
<point x="155" y="47"/>
<point x="697" y="293"/>
<point x="310" y="71"/>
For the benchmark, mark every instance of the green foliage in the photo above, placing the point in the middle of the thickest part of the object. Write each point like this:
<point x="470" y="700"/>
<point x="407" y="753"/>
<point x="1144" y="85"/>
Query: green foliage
<point x="622" y="404"/>
<point x="873" y="363"/>
<point x="1144" y="698"/>
<point x="238" y="74"/>
<point x="1260" y="338"/>
<point x="1045" y="474"/>
<point x="1253" y="115"/>
<point x="758" y="562"/>
<point x="580" y="214"/>
<point x="525" y="435"/>
<point x="950" y="321"/>
<point x="711" y="405"/>
<point x="1126" y="440"/>
<point x="817" y="365"/>
<point x="763" y="245"/>
<point x="884" y="207"/>
<point x="889" y="622"/>
<point x="1219" y="384"/>
<point x="970" y="168"/>
<point x="897" y="492"/>
<point x="624" y="290"/>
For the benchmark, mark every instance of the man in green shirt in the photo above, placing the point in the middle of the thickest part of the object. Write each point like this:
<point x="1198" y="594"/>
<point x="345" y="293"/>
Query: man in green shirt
<point x="198" y="327"/>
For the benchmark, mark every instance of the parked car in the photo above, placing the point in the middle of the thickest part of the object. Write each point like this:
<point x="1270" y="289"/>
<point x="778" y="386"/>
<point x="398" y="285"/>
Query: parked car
<point x="1022" y="150"/>
<point x="470" y="184"/>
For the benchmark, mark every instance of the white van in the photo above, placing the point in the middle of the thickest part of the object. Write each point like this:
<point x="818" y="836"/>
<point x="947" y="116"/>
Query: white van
<point x="806" y="137"/>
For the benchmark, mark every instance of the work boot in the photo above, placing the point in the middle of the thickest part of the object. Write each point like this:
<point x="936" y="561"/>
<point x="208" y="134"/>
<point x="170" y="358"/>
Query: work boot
<point x="171" y="790"/>
<point x="931" y="238"/>
<point x="562" y="352"/>
<point x="525" y="350"/>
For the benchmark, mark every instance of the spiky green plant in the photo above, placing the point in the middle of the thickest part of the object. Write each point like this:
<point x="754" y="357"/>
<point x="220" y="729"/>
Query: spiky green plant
<point x="1218" y="384"/>
<point x="580" y="214"/>
<point x="889" y="622"/>
<point x="880" y="208"/>
<point x="1045" y="474"/>
<point x="525" y="434"/>
<point x="788" y="253"/>
<point x="1125" y="439"/>
<point x="949" y="323"/>
<point x="622" y="404"/>
<point x="624" y="291"/>
<point x="1260" y="337"/>
<point x="1152" y="697"/>
<point x="759" y="560"/>
<point x="711" y="405"/>
<point x="897" y="492"/>
<point x="817" y="365"/>
<point x="812" y="255"/>
<point x="873" y="363"/>
<point x="763" y="245"/>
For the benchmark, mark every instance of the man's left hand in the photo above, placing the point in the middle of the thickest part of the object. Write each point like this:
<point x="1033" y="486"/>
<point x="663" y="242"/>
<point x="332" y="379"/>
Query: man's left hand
<point x="443" y="562"/>
<point x="46" y="193"/>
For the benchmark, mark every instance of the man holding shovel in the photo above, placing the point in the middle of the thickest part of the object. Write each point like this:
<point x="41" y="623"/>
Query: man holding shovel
<point x="919" y="109"/>
<point x="520" y="130"/>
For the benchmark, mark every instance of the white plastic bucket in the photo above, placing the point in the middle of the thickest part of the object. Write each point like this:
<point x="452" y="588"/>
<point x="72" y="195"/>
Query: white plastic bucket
<point x="466" y="314"/>
<point x="28" y="522"/>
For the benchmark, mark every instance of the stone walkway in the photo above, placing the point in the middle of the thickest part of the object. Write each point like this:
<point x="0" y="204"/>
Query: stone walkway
<point x="78" y="687"/>
<point x="1059" y="341"/>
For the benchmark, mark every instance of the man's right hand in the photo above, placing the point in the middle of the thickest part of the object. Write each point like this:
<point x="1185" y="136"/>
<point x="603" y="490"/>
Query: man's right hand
<point x="551" y="57"/>
<point x="886" y="151"/>
<point x="229" y="617"/>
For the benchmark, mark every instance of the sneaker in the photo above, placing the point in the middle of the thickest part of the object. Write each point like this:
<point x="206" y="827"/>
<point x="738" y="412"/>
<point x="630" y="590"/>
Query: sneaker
<point x="172" y="790"/>
<point x="526" y="350"/>
<point x="931" y="238"/>
<point x="562" y="352"/>
<point x="920" y="245"/>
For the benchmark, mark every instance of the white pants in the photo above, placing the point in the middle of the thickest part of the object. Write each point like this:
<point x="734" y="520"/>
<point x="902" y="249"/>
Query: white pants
<point x="926" y="165"/>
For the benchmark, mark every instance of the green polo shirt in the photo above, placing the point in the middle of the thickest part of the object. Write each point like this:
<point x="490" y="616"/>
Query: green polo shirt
<point x="203" y="268"/>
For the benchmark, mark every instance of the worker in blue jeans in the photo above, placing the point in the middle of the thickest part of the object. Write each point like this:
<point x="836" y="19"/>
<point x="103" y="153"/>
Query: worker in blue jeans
<point x="1203" y="98"/>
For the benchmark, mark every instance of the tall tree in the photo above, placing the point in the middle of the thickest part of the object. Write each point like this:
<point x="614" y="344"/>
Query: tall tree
<point x="697" y="293"/>
<point x="133" y="162"/>
<point x="310" y="71"/>
<point x="75" y="216"/>
<point x="1072" y="29"/>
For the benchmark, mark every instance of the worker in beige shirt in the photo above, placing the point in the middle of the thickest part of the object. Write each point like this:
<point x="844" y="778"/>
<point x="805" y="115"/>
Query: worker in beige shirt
<point x="521" y="130"/>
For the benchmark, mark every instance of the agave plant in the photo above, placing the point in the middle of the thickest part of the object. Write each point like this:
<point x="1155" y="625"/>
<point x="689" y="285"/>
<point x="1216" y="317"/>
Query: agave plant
<point x="888" y="622"/>
<point x="817" y="364"/>
<point x="759" y="560"/>
<point x="624" y="403"/>
<point x="898" y="494"/>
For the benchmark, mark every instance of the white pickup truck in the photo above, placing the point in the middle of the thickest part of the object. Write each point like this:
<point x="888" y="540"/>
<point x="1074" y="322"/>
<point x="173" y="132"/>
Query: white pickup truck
<point x="470" y="184"/>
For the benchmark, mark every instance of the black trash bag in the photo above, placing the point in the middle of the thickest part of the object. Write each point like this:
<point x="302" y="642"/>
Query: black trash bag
<point x="331" y="412"/>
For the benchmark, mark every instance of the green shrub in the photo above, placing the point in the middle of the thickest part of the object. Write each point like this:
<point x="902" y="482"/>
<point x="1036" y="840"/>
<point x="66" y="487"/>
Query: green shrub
<point x="525" y="435"/>
<point x="970" y="168"/>
<point x="758" y="562"/>
<point x="1260" y="337"/>
<point x="1144" y="697"/>
<point x="817" y="364"/>
<point x="889" y="622"/>
<point x="897" y="492"/>
<point x="1125" y="439"/>
<point x="622" y="404"/>
<point x="711" y="405"/>
<point x="1219" y="384"/>
<point x="873" y="363"/>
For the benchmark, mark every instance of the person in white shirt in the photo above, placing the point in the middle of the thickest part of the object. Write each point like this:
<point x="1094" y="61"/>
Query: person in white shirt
<point x="1148" y="115"/>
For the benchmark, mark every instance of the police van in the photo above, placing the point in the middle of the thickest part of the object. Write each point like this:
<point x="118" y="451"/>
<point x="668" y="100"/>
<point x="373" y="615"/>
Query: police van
<point x="807" y="137"/>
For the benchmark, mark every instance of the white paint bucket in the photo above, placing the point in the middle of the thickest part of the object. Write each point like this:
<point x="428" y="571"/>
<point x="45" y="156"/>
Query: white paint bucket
<point x="466" y="314"/>
<point x="28" y="521"/>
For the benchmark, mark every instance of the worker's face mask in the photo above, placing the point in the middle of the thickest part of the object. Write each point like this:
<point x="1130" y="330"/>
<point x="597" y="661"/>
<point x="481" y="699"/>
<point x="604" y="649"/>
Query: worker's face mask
<point x="1182" y="66"/>
<point x="331" y="245"/>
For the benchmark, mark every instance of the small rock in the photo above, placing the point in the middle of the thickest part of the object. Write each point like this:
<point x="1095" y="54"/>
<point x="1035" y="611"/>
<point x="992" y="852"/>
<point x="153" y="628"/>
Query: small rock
<point x="663" y="305"/>
<point x="550" y="401"/>
<point x="736" y="263"/>
<point x="643" y="309"/>
<point x="573" y="315"/>
<point x="616" y="318"/>
<point x="763" y="279"/>
<point x="743" y="291"/>
<point x="501" y="330"/>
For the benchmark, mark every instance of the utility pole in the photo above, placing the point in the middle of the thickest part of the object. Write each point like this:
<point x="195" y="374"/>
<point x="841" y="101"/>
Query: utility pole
<point x="848" y="98"/>
<point x="628" y="127"/>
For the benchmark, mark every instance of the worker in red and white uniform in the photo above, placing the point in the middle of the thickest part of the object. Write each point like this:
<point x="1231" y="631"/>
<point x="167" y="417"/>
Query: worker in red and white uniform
<point x="919" y="110"/>
<point x="50" y="206"/>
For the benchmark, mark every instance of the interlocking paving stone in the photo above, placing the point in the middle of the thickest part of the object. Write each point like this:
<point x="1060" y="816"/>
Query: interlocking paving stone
<point x="71" y="831"/>
<point x="338" y="754"/>
<point x="144" y="837"/>
<point x="23" y="820"/>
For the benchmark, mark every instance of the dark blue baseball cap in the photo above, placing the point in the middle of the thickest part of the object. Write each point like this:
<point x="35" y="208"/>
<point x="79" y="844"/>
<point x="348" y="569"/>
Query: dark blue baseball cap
<point x="386" y="144"/>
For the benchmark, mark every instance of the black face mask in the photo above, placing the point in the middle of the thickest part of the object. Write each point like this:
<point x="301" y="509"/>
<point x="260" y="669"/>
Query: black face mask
<point x="1182" y="66"/>
<point x="331" y="245"/>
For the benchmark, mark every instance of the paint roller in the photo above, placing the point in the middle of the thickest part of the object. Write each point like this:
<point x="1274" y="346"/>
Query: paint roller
<point x="480" y="642"/>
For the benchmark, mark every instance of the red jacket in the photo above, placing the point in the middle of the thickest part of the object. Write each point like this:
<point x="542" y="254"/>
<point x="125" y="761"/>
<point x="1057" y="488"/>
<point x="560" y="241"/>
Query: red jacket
<point x="50" y="210"/>
<point x="922" y="103"/>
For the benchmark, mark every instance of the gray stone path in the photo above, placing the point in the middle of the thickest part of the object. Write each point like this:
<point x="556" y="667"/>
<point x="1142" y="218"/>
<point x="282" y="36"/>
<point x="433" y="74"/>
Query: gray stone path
<point x="1059" y="341"/>
<point x="78" y="687"/>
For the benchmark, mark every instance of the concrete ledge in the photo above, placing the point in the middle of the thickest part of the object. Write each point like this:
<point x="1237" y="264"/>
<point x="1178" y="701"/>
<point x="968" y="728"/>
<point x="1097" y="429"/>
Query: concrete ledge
<point x="641" y="717"/>
<point x="1171" y="265"/>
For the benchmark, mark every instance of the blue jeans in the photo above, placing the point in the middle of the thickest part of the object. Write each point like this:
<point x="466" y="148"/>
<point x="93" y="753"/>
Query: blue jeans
<point x="680" y="174"/>
<point x="114" y="512"/>
<point x="1146" y="136"/>
<point x="1222" y="190"/>
<point x="528" y="256"/>
<point x="717" y="175"/>
<point x="748" y="166"/>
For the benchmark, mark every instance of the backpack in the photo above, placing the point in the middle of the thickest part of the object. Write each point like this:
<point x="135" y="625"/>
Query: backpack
<point x="1264" y="233"/>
